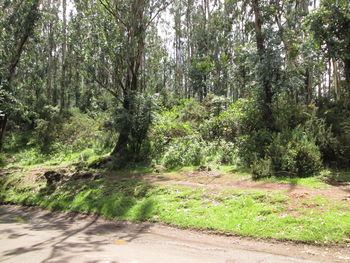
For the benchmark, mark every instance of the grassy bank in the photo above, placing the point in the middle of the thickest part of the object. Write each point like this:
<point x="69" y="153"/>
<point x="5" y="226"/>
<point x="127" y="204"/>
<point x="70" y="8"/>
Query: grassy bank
<point x="248" y="213"/>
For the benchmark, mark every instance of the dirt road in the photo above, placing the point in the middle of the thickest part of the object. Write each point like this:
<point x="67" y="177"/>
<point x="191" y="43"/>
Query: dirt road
<point x="33" y="235"/>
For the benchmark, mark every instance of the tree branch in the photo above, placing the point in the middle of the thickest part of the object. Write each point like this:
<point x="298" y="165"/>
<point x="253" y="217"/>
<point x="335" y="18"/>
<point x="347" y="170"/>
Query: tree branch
<point x="157" y="13"/>
<point x="115" y="13"/>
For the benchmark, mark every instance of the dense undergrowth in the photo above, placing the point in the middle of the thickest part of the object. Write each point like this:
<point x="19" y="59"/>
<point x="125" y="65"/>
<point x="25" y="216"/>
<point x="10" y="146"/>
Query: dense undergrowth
<point x="303" y="140"/>
<point x="248" y="213"/>
<point x="75" y="137"/>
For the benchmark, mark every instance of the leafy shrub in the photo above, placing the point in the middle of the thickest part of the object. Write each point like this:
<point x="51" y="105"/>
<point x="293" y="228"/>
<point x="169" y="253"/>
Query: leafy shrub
<point x="193" y="151"/>
<point x="215" y="105"/>
<point x="136" y="125"/>
<point x="70" y="133"/>
<point x="238" y="119"/>
<point x="47" y="129"/>
<point x="289" y="115"/>
<point x="295" y="153"/>
<point x="186" y="151"/>
<point x="191" y="110"/>
<point x="337" y="116"/>
<point x="302" y="158"/>
<point x="253" y="146"/>
<point x="2" y="160"/>
<point x="321" y="124"/>
<point x="180" y="136"/>
<point x="169" y="125"/>
<point x="335" y="177"/>
<point x="262" y="169"/>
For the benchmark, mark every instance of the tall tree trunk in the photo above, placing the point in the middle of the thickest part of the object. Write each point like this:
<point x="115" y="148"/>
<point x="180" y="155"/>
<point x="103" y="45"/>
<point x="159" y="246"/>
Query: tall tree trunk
<point x="50" y="45"/>
<point x="336" y="79"/>
<point x="347" y="74"/>
<point x="309" y="84"/>
<point x="189" y="9"/>
<point x="135" y="50"/>
<point x="3" y="123"/>
<point x="64" y="64"/>
<point x="123" y="139"/>
<point x="178" y="51"/>
<point x="265" y="80"/>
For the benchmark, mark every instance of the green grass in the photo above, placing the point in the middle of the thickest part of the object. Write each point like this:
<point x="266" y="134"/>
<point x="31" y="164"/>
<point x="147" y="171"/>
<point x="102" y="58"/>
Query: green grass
<point x="311" y="182"/>
<point x="247" y="213"/>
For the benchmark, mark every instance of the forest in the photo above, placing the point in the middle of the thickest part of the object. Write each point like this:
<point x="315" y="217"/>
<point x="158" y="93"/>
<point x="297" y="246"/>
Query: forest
<point x="256" y="88"/>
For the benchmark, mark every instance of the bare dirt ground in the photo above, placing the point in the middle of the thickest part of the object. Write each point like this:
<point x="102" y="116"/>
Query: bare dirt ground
<point x="33" y="235"/>
<point x="215" y="180"/>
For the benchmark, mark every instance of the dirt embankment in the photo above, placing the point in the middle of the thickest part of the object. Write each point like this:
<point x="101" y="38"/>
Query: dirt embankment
<point x="214" y="180"/>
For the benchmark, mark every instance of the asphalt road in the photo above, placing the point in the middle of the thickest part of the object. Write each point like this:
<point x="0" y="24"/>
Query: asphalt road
<point x="33" y="235"/>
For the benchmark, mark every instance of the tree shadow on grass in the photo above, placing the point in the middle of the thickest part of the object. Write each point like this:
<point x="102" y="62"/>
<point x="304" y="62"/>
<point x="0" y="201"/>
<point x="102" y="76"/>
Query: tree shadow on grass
<point x="111" y="199"/>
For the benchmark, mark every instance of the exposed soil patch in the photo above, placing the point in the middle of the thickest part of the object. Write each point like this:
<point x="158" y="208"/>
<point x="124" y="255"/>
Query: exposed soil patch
<point x="211" y="179"/>
<point x="214" y="180"/>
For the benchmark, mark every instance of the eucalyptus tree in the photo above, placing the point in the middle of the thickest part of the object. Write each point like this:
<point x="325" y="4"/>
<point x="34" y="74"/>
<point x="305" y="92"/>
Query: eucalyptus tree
<point x="333" y="37"/>
<point x="266" y="67"/>
<point x="17" y="22"/>
<point x="131" y="20"/>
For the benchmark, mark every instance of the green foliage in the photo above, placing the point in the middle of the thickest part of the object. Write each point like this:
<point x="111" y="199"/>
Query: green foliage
<point x="72" y="132"/>
<point x="185" y="151"/>
<point x="60" y="138"/>
<point x="47" y="130"/>
<point x="194" y="151"/>
<point x="262" y="169"/>
<point x="292" y="153"/>
<point x="253" y="146"/>
<point x="231" y="122"/>
<point x="136" y="122"/>
<point x="302" y="157"/>
<point x="336" y="150"/>
<point x="3" y="160"/>
<point x="335" y="177"/>
<point x="300" y="144"/>
<point x="191" y="110"/>
<point x="171" y="124"/>
<point x="334" y="35"/>
<point x="181" y="137"/>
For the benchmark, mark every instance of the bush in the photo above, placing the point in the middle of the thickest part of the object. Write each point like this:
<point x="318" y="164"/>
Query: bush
<point x="337" y="116"/>
<point x="302" y="160"/>
<point x="253" y="146"/>
<point x="135" y="122"/>
<point x="191" y="110"/>
<point x="186" y="151"/>
<point x="295" y="153"/>
<point x="73" y="132"/>
<point x="183" y="135"/>
<point x="238" y="119"/>
<point x="193" y="151"/>
<point x="47" y="129"/>
<point x="2" y="160"/>
<point x="262" y="169"/>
